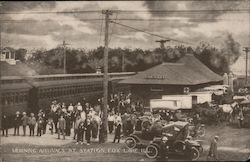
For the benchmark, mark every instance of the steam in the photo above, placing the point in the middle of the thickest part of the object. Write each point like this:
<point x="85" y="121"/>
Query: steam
<point x="231" y="49"/>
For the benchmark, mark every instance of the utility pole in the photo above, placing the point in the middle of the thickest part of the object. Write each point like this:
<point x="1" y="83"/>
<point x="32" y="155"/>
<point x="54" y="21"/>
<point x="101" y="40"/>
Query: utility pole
<point x="246" y="49"/>
<point x="0" y="71"/>
<point x="64" y="56"/>
<point x="123" y="62"/>
<point x="162" y="42"/>
<point x="105" y="81"/>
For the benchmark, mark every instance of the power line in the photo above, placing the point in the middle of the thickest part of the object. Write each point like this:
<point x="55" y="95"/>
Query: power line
<point x="181" y="11"/>
<point x="156" y="35"/>
<point x="120" y="19"/>
<point x="127" y="11"/>
<point x="51" y="12"/>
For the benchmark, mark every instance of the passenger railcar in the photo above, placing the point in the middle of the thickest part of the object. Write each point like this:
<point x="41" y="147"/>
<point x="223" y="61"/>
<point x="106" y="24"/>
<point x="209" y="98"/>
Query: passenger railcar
<point x="14" y="95"/>
<point x="36" y="92"/>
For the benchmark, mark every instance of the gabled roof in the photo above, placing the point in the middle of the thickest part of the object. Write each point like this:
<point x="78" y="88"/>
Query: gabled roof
<point x="9" y="49"/>
<point x="186" y="71"/>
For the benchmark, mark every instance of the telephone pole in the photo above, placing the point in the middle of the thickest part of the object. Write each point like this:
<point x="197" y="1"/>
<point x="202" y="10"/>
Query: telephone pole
<point x="0" y="71"/>
<point x="246" y="49"/>
<point x="162" y="42"/>
<point x="105" y="81"/>
<point x="123" y="62"/>
<point x="64" y="56"/>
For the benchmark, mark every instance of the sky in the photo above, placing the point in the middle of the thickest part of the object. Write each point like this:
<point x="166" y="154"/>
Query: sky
<point x="22" y="28"/>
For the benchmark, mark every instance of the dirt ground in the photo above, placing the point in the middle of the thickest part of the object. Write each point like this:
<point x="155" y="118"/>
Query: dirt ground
<point x="234" y="145"/>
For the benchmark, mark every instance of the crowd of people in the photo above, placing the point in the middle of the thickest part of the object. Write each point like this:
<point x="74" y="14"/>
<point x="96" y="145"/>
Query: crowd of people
<point x="83" y="118"/>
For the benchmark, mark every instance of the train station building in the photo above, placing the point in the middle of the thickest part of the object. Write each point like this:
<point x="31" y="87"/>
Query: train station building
<point x="188" y="74"/>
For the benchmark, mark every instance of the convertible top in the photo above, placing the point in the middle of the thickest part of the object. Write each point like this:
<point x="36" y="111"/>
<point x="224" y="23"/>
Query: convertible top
<point x="179" y="124"/>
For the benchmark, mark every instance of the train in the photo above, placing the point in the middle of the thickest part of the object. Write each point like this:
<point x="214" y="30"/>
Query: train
<point x="32" y="93"/>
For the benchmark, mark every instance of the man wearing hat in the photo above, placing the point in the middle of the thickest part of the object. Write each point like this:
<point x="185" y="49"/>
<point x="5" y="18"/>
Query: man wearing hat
<point x="163" y="149"/>
<point x="213" y="149"/>
<point x="17" y="123"/>
<point x="5" y="125"/>
<point x="79" y="106"/>
<point x="25" y="120"/>
<point x="61" y="126"/>
<point x="32" y="123"/>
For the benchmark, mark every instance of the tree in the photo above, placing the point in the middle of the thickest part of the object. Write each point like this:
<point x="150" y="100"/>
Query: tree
<point x="21" y="54"/>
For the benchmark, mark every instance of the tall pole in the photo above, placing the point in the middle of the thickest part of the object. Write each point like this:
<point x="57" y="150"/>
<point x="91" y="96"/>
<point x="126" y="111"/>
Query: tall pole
<point x="123" y="62"/>
<point x="64" y="57"/>
<point x="0" y="72"/>
<point x="105" y="81"/>
<point x="246" y="49"/>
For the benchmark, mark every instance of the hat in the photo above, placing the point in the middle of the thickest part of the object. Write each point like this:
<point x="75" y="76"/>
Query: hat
<point x="17" y="112"/>
<point x="164" y="138"/>
<point x="216" y="137"/>
<point x="24" y="113"/>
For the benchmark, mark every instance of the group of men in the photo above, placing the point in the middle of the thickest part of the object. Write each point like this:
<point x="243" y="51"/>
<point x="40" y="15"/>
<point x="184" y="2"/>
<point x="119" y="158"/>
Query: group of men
<point x="23" y="121"/>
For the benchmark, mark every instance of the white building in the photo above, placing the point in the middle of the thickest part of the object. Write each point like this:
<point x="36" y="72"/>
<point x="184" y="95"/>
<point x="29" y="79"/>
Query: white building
<point x="8" y="55"/>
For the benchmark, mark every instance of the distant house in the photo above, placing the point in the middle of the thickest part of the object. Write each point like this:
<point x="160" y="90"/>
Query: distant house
<point x="186" y="75"/>
<point x="11" y="67"/>
<point x="8" y="55"/>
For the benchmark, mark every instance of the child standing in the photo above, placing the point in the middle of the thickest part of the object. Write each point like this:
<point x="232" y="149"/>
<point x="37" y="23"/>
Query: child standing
<point x="117" y="131"/>
<point x="80" y="132"/>
<point x="88" y="130"/>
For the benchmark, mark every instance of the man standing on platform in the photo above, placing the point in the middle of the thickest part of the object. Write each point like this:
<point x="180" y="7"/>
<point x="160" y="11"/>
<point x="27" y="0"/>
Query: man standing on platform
<point x="17" y="123"/>
<point x="25" y="120"/>
<point x="213" y="154"/>
<point x="61" y="127"/>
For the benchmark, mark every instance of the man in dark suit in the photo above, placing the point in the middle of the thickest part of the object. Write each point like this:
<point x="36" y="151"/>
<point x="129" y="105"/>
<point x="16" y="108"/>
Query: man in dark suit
<point x="17" y="123"/>
<point x="61" y="127"/>
<point x="213" y="154"/>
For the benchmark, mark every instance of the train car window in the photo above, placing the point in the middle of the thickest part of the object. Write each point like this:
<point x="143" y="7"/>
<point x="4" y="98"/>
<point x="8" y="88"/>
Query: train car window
<point x="3" y="100"/>
<point x="16" y="97"/>
<point x="48" y="93"/>
<point x="41" y="93"/>
<point x="11" y="99"/>
<point x="24" y="97"/>
<point x="55" y="92"/>
<point x="45" y="93"/>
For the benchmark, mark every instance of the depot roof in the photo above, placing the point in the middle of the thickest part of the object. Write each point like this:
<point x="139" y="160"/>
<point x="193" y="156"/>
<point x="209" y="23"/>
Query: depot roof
<point x="186" y="71"/>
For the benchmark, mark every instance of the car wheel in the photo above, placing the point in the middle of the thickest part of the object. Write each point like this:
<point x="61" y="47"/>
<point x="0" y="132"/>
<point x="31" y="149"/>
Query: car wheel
<point x="194" y="154"/>
<point x="130" y="142"/>
<point x="200" y="149"/>
<point x="152" y="151"/>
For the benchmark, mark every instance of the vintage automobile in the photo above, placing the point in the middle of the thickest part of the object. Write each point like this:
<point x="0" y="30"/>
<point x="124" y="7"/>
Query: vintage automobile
<point x="149" y="130"/>
<point x="177" y="142"/>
